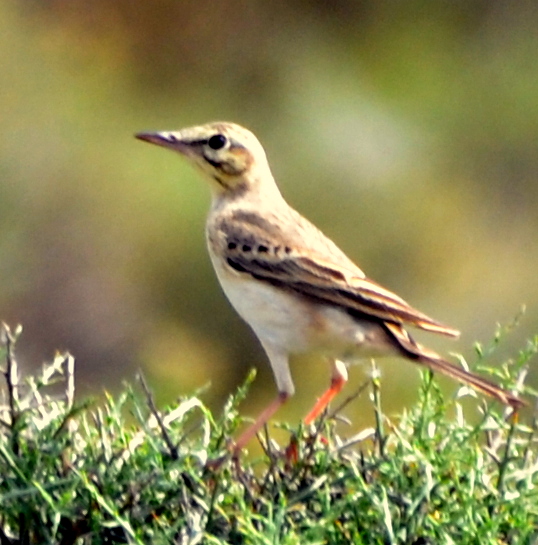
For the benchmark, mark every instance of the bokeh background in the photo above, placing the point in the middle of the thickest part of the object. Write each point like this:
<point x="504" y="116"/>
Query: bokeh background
<point x="407" y="131"/>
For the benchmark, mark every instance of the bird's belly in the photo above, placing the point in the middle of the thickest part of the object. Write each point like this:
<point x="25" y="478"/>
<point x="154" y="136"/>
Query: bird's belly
<point x="298" y="325"/>
<point x="275" y="316"/>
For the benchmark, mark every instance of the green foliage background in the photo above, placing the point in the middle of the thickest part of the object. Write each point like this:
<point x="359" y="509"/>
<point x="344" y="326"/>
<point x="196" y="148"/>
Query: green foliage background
<point x="407" y="131"/>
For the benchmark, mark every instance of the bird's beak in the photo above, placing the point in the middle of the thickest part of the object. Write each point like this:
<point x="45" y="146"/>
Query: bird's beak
<point x="170" y="140"/>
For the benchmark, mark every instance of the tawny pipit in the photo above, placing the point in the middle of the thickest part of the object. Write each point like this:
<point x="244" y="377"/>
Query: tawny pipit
<point x="294" y="287"/>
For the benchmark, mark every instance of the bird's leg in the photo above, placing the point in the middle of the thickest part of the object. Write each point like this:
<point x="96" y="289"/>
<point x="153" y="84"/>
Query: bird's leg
<point x="338" y="379"/>
<point x="266" y="414"/>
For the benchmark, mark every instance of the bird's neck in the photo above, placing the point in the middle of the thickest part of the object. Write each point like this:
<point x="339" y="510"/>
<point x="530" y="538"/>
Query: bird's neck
<point x="259" y="191"/>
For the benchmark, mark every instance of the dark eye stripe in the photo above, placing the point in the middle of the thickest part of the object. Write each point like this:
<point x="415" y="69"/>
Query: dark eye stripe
<point x="215" y="164"/>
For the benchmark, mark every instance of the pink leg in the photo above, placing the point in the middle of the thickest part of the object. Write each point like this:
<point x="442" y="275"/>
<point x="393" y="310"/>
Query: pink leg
<point x="338" y="379"/>
<point x="266" y="414"/>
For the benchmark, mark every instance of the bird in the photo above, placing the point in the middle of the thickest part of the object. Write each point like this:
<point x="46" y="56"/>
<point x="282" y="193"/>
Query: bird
<point x="289" y="282"/>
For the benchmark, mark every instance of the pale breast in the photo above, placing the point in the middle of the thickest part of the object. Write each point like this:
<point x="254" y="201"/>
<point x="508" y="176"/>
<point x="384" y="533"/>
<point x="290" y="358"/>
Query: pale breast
<point x="275" y="315"/>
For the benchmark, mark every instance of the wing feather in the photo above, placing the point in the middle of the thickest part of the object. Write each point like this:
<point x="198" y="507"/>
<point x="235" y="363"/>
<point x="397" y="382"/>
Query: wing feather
<point x="313" y="274"/>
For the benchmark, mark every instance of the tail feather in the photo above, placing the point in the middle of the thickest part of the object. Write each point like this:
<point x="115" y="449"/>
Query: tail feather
<point x="433" y="361"/>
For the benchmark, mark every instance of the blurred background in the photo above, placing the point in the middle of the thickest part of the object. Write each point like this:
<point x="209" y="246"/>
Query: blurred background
<point x="407" y="131"/>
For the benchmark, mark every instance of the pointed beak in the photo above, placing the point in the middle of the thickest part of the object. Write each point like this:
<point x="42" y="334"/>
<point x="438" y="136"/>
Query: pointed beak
<point x="170" y="140"/>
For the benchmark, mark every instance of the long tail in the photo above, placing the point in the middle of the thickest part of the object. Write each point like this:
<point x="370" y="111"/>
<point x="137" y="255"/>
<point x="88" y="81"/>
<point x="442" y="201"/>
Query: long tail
<point x="431" y="359"/>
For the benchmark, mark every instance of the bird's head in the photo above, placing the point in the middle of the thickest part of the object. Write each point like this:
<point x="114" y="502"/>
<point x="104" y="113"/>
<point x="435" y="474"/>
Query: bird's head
<point x="228" y="153"/>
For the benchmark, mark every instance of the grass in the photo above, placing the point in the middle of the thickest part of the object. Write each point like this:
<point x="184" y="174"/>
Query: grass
<point x="443" y="472"/>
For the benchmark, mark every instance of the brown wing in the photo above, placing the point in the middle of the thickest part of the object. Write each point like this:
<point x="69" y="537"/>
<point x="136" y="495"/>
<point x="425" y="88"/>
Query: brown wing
<point x="254" y="252"/>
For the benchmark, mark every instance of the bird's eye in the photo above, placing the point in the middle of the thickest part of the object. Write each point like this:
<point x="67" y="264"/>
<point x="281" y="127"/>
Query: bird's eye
<point x="217" y="141"/>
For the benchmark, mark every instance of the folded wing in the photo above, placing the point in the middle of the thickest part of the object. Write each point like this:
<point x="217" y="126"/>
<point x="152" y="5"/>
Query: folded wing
<point x="315" y="276"/>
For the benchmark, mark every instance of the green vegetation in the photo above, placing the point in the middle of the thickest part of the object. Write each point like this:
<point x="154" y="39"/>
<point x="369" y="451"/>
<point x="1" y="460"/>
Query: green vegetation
<point x="126" y="472"/>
